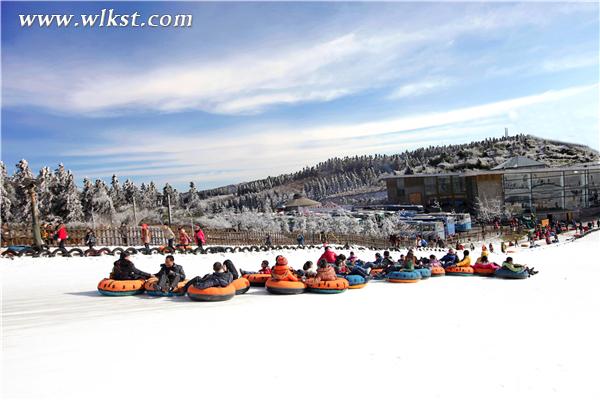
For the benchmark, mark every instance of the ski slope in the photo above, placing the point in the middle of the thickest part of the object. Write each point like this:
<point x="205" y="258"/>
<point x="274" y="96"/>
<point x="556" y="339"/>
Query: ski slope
<point x="448" y="337"/>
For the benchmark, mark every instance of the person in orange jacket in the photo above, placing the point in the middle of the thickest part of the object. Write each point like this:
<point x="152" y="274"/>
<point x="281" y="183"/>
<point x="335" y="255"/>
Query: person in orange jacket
<point x="282" y="272"/>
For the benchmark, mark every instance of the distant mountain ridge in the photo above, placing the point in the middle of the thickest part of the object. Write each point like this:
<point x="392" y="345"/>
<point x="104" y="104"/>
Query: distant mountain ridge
<point x="352" y="178"/>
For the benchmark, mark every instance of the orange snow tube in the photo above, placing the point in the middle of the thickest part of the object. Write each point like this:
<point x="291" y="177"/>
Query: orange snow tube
<point x="375" y="271"/>
<point x="242" y="285"/>
<point x="212" y="293"/>
<point x="284" y="287"/>
<point x="257" y="279"/>
<point x="150" y="287"/>
<point x="459" y="271"/>
<point x="326" y="287"/>
<point x="438" y="271"/>
<point x="111" y="287"/>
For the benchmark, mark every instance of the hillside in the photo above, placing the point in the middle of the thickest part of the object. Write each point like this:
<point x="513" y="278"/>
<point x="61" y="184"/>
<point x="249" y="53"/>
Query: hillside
<point x="357" y="179"/>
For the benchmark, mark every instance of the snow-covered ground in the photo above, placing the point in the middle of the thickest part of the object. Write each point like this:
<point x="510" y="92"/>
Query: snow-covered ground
<point x="450" y="337"/>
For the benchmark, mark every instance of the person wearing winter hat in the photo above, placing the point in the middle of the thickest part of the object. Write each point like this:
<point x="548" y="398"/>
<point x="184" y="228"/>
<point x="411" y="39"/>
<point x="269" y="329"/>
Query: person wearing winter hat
<point x="484" y="253"/>
<point x="220" y="277"/>
<point x="282" y="272"/>
<point x="124" y="270"/>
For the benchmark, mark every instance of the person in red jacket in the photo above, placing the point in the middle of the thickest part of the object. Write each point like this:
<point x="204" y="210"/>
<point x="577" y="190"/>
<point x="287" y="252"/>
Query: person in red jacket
<point x="199" y="237"/>
<point x="329" y="256"/>
<point x="62" y="235"/>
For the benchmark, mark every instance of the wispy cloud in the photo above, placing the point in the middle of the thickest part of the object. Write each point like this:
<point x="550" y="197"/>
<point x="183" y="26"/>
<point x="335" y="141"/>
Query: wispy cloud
<point x="420" y="88"/>
<point x="284" y="148"/>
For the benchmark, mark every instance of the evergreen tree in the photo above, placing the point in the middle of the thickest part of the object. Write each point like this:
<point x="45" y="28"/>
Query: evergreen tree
<point x="21" y="210"/>
<point x="7" y="195"/>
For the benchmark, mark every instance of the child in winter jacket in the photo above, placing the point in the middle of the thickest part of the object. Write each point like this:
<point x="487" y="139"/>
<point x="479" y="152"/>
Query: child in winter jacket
<point x="90" y="238"/>
<point x="264" y="269"/>
<point x="199" y="237"/>
<point x="282" y="272"/>
<point x="184" y="238"/>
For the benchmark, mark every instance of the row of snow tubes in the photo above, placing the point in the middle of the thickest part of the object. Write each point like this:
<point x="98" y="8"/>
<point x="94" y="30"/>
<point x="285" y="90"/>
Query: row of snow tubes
<point x="111" y="287"/>
<point x="288" y="287"/>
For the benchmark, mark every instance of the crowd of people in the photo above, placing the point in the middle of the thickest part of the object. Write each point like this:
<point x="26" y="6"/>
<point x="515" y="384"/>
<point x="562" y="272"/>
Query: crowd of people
<point x="329" y="267"/>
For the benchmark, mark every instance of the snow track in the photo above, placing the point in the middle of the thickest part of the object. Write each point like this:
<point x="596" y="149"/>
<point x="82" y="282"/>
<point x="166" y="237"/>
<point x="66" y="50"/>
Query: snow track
<point x="448" y="337"/>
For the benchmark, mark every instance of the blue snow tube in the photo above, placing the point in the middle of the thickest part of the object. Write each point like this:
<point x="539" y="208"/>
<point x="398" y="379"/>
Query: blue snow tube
<point x="404" y="276"/>
<point x="508" y="274"/>
<point x="425" y="272"/>
<point x="355" y="280"/>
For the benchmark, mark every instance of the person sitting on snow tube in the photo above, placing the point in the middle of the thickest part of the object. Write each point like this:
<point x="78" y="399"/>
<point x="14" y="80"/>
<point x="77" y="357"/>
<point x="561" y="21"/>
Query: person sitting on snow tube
<point x="409" y="262"/>
<point x="517" y="268"/>
<point x="352" y="259"/>
<point x="325" y="272"/>
<point x="434" y="262"/>
<point x="340" y="265"/>
<point x="387" y="260"/>
<point x="124" y="270"/>
<point x="169" y="276"/>
<point x="465" y="262"/>
<point x="229" y="267"/>
<point x="484" y="253"/>
<point x="329" y="255"/>
<point x="378" y="259"/>
<point x="484" y="267"/>
<point x="308" y="270"/>
<point x="264" y="269"/>
<point x="281" y="271"/>
<point x="220" y="278"/>
<point x="449" y="259"/>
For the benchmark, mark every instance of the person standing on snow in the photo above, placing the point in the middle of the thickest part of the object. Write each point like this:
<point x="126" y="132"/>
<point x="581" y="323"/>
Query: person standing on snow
<point x="184" y="238"/>
<point x="146" y="236"/>
<point x="61" y="235"/>
<point x="199" y="237"/>
<point x="169" y="235"/>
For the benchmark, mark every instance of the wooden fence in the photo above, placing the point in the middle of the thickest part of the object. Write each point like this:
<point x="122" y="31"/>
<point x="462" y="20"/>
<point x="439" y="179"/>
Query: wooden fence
<point x="131" y="236"/>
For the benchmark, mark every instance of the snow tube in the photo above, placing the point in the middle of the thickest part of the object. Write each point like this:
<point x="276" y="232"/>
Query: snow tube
<point x="508" y="274"/>
<point x="375" y="271"/>
<point x="150" y="287"/>
<point x="404" y="277"/>
<point x="242" y="285"/>
<point x="212" y="293"/>
<point x="459" y="271"/>
<point x="438" y="271"/>
<point x="111" y="287"/>
<point x="356" y="281"/>
<point x="326" y="287"/>
<point x="257" y="279"/>
<point x="284" y="287"/>
<point x="425" y="272"/>
<point x="485" y="269"/>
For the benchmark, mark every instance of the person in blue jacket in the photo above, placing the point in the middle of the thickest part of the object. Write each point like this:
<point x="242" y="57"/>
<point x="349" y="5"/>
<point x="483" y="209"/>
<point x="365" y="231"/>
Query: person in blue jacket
<point x="449" y="259"/>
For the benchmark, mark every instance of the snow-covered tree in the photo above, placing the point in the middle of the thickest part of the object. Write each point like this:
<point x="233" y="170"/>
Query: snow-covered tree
<point x="22" y="206"/>
<point x="101" y="202"/>
<point x="116" y="193"/>
<point x="7" y="195"/>
<point x="45" y="195"/>
<point x="66" y="203"/>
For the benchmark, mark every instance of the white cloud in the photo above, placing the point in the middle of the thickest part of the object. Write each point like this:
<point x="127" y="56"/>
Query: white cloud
<point x="420" y="88"/>
<point x="280" y="149"/>
<point x="252" y="80"/>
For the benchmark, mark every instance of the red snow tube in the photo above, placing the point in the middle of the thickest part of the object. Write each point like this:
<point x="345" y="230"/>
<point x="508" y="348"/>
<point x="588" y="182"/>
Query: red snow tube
<point x="485" y="269"/>
<point x="242" y="285"/>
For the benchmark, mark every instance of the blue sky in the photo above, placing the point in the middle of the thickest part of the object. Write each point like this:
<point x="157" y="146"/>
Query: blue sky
<point x="257" y="89"/>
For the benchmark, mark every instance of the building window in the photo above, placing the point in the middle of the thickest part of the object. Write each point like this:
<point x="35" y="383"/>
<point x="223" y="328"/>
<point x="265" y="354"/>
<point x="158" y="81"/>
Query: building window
<point x="430" y="186"/>
<point x="444" y="185"/>
<point x="458" y="184"/>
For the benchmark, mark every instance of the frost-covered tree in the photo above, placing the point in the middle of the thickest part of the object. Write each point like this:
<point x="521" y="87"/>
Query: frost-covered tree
<point x="101" y="202"/>
<point x="150" y="196"/>
<point x="131" y="192"/>
<point x="116" y="193"/>
<point x="45" y="195"/>
<point x="66" y="203"/>
<point x="87" y="199"/>
<point x="7" y="195"/>
<point x="22" y="206"/>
